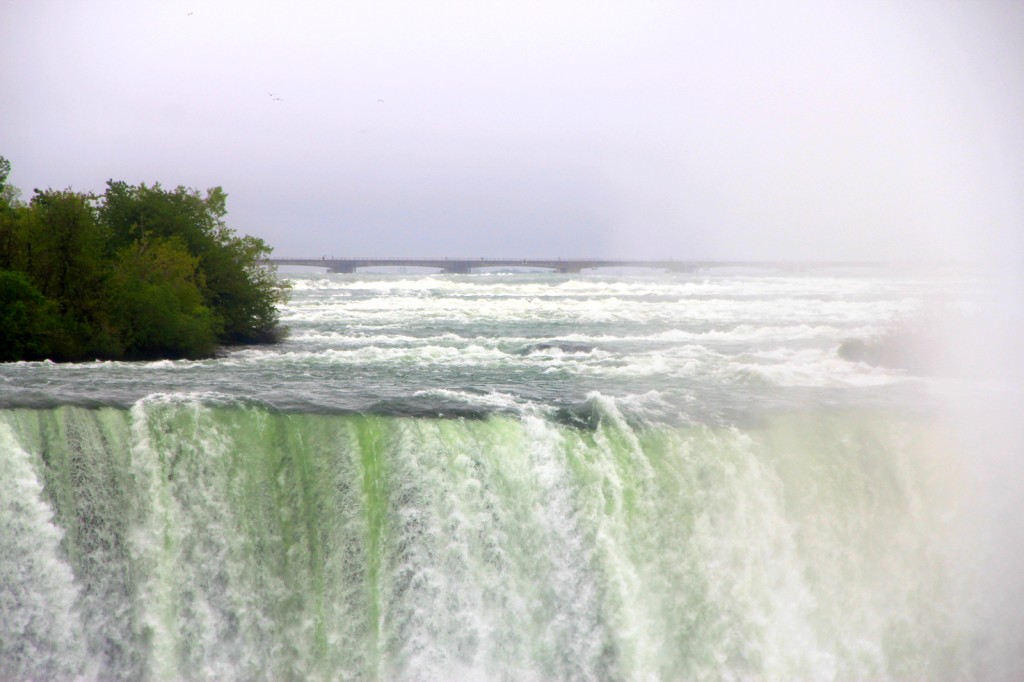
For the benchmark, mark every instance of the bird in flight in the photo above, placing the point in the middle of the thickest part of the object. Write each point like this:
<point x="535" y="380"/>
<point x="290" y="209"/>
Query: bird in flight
<point x="380" y="101"/>
<point x="275" y="97"/>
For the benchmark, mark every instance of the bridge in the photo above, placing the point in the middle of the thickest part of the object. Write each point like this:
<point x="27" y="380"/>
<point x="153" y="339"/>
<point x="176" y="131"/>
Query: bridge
<point x="467" y="265"/>
<point x="567" y="265"/>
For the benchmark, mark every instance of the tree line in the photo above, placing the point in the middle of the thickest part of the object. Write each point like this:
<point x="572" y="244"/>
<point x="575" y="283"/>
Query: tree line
<point x="138" y="272"/>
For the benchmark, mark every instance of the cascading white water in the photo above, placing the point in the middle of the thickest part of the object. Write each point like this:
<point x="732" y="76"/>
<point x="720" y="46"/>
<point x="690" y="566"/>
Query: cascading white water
<point x="219" y="541"/>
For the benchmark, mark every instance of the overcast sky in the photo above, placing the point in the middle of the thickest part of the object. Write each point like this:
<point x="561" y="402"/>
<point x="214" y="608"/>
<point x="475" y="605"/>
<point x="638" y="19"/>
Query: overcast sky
<point x="841" y="130"/>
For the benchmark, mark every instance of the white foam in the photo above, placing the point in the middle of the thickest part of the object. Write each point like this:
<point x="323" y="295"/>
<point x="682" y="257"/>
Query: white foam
<point x="40" y="634"/>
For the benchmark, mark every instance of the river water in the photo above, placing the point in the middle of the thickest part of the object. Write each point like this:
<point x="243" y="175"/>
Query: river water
<point x="513" y="477"/>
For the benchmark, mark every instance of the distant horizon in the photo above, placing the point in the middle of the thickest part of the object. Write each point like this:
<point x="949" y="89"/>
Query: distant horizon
<point x="718" y="131"/>
<point x="535" y="261"/>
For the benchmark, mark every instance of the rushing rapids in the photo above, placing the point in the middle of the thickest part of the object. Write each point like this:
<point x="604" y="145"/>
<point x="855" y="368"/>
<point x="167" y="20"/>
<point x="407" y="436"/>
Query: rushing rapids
<point x="436" y="479"/>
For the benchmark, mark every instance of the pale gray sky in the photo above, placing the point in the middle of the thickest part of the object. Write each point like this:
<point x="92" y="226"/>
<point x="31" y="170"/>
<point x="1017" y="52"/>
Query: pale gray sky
<point x="840" y="130"/>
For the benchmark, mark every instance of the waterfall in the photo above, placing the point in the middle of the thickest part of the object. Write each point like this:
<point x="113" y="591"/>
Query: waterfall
<point x="189" y="538"/>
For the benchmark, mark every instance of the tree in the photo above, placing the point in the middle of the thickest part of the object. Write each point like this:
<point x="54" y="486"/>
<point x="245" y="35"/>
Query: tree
<point x="67" y="244"/>
<point x="10" y="195"/>
<point x="156" y="287"/>
<point x="28" y="321"/>
<point x="133" y="211"/>
<point x="5" y="170"/>
<point x="139" y="272"/>
<point x="241" y="293"/>
<point x="10" y="204"/>
<point x="64" y="254"/>
<point x="10" y="238"/>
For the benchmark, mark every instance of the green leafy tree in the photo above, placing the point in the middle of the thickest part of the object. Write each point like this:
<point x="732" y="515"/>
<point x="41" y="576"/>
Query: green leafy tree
<point x="139" y="272"/>
<point x="134" y="211"/>
<point x="9" y="220"/>
<point x="241" y="293"/>
<point x="67" y="244"/>
<point x="10" y="238"/>
<point x="9" y="194"/>
<point x="65" y="255"/>
<point x="156" y="286"/>
<point x="5" y="171"/>
<point x="28" y="322"/>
